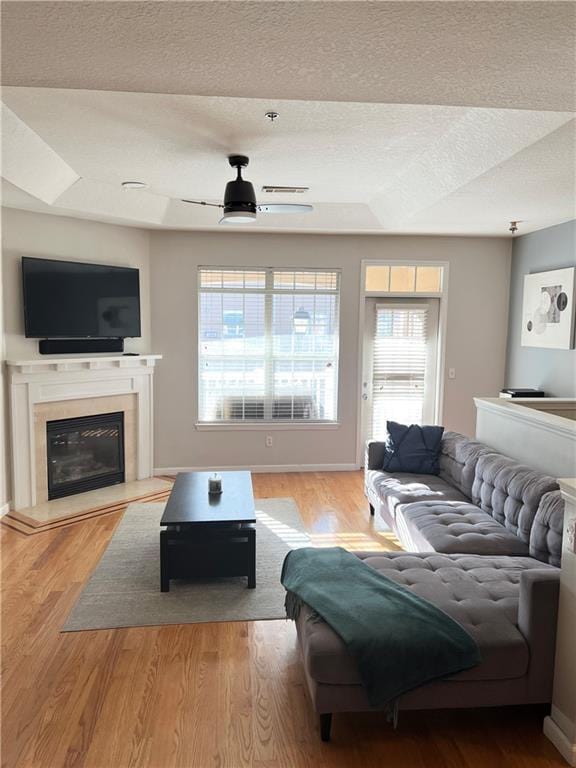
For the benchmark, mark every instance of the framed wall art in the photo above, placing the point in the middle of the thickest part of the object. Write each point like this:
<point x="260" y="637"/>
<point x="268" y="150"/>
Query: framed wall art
<point x="548" y="309"/>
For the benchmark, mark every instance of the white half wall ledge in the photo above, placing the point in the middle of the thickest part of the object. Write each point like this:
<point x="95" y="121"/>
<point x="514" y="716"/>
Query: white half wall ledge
<point x="527" y="432"/>
<point x="30" y="163"/>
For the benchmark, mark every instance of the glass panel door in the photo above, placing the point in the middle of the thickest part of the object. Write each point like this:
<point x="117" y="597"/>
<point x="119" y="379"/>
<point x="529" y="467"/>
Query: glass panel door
<point x="400" y="364"/>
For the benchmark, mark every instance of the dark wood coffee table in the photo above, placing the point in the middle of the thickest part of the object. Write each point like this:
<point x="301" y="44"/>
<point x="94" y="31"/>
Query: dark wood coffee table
<point x="208" y="535"/>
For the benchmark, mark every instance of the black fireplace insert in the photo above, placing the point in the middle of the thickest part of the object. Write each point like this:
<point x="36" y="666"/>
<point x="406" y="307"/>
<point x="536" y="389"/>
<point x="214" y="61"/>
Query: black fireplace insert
<point x="84" y="453"/>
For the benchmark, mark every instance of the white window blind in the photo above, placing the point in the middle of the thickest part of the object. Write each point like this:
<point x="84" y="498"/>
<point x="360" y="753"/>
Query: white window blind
<point x="268" y="345"/>
<point x="400" y="352"/>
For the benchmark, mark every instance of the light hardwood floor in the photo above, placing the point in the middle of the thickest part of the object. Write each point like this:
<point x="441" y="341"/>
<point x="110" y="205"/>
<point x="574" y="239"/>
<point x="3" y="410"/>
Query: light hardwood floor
<point x="208" y="695"/>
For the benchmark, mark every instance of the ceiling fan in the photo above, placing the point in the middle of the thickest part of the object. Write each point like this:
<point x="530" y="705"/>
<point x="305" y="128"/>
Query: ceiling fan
<point x="240" y="206"/>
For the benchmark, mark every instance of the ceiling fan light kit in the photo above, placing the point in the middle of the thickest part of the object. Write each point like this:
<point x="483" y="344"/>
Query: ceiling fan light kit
<point x="238" y="217"/>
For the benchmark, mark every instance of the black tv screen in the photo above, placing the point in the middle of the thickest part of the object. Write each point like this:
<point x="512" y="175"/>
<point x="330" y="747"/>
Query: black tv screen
<point x="66" y="299"/>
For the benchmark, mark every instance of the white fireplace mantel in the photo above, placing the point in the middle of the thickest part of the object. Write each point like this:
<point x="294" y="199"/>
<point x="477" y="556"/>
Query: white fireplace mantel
<point x="40" y="365"/>
<point x="37" y="381"/>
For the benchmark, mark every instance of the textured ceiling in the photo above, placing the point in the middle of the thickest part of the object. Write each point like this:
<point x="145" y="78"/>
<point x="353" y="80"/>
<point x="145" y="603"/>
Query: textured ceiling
<point x="536" y="186"/>
<point x="31" y="163"/>
<point x="179" y="144"/>
<point x="483" y="54"/>
<point x="401" y="117"/>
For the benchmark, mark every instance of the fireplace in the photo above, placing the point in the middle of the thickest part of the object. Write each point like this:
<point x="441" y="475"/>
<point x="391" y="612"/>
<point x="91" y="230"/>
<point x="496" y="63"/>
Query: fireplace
<point x="84" y="453"/>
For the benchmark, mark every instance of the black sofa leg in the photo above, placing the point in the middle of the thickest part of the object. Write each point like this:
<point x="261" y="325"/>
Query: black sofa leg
<point x="325" y="726"/>
<point x="371" y="510"/>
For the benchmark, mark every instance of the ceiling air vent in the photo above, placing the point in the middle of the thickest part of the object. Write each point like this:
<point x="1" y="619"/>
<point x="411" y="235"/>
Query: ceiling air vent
<point x="284" y="190"/>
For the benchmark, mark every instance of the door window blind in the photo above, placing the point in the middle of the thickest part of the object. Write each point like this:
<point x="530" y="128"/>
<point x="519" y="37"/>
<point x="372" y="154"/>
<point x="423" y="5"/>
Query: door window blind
<point x="268" y="345"/>
<point x="399" y="366"/>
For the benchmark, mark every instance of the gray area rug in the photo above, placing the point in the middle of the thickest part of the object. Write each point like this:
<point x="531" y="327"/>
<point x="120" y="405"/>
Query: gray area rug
<point x="124" y="589"/>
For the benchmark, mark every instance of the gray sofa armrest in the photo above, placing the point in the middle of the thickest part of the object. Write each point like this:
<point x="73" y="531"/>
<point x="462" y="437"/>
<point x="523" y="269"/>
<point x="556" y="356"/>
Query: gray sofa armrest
<point x="537" y="619"/>
<point x="374" y="454"/>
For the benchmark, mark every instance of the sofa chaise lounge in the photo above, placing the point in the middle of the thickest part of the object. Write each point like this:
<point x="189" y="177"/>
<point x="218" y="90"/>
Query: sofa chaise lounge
<point x="484" y="540"/>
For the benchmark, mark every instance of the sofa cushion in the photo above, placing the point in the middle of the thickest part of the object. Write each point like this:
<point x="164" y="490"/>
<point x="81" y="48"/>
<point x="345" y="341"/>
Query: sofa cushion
<point x="412" y="448"/>
<point x="547" y="528"/>
<point x="405" y="488"/>
<point x="458" y="458"/>
<point x="481" y="593"/>
<point x="510" y="492"/>
<point x="454" y="527"/>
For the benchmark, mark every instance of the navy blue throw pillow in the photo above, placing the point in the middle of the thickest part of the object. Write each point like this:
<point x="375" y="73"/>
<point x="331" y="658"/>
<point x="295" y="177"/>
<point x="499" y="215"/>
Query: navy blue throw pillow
<point x="413" y="449"/>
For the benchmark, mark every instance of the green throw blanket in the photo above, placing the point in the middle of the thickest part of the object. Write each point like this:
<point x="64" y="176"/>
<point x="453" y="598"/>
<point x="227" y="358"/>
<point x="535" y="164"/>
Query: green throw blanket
<point x="399" y="640"/>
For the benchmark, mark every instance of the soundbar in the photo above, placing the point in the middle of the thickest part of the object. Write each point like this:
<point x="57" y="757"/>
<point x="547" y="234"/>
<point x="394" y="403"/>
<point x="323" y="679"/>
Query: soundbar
<point x="79" y="346"/>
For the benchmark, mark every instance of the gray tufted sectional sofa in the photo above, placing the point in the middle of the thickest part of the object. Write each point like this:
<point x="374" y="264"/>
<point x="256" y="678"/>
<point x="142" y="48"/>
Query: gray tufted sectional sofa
<point x="483" y="541"/>
<point x="481" y="503"/>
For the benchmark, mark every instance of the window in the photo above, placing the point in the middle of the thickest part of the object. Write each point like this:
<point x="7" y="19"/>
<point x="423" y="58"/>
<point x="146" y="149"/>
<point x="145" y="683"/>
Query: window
<point x="403" y="352"/>
<point x="268" y="345"/>
<point x="403" y="279"/>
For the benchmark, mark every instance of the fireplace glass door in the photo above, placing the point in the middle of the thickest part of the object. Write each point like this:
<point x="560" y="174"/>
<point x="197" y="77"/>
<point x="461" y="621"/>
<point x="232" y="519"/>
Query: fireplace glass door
<point x="85" y="453"/>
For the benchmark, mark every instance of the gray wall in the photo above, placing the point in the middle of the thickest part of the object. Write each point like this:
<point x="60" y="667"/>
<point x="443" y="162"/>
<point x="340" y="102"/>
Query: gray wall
<point x="56" y="237"/>
<point x="475" y="343"/>
<point x="36" y="234"/>
<point x="479" y="270"/>
<point x="553" y="370"/>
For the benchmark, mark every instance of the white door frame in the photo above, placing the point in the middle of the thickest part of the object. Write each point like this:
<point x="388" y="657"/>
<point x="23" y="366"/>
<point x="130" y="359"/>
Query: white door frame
<point x="441" y="295"/>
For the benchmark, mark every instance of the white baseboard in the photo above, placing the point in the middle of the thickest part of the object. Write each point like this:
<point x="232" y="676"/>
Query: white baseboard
<point x="562" y="743"/>
<point x="4" y="509"/>
<point x="263" y="468"/>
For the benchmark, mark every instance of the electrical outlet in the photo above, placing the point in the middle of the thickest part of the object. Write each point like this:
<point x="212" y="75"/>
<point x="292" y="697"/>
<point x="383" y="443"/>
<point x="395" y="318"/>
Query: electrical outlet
<point x="451" y="373"/>
<point x="269" y="441"/>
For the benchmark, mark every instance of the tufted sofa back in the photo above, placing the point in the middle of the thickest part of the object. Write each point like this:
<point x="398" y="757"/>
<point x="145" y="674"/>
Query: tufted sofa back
<point x="510" y="492"/>
<point x="458" y="458"/>
<point x="546" y="533"/>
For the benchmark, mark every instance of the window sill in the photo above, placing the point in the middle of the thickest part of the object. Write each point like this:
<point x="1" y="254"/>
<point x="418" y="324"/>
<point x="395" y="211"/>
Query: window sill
<point x="269" y="426"/>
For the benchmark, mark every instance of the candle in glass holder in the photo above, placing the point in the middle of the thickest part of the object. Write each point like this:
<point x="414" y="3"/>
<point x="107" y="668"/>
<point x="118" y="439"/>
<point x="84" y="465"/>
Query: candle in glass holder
<point x="215" y="483"/>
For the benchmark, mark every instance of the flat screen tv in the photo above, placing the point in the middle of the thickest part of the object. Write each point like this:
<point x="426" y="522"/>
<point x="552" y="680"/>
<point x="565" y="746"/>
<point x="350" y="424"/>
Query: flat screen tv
<point x="67" y="299"/>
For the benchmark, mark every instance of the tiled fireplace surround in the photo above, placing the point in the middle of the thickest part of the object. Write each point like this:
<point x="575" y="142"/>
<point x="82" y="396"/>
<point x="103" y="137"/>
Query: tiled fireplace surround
<point x="43" y="390"/>
<point x="71" y="409"/>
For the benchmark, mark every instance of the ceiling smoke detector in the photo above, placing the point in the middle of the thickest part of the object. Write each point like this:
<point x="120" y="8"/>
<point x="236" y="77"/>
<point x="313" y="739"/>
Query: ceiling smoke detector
<point x="134" y="185"/>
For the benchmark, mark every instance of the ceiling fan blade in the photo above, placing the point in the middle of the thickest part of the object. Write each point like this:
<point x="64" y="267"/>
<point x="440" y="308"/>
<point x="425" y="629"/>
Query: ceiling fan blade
<point x="284" y="208"/>
<point x="201" y="202"/>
